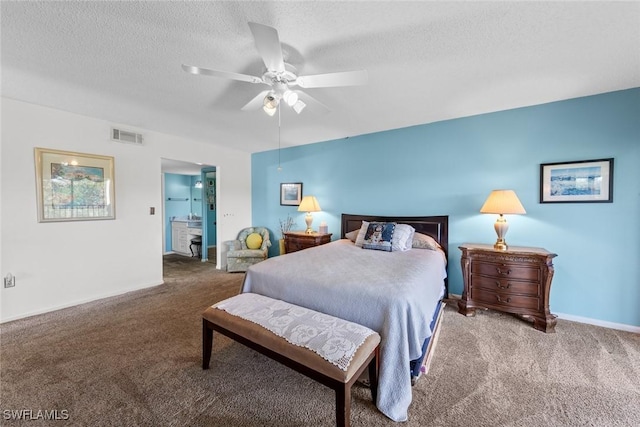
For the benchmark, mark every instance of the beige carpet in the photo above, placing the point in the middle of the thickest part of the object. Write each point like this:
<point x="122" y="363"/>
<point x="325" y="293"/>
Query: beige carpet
<point x="134" y="360"/>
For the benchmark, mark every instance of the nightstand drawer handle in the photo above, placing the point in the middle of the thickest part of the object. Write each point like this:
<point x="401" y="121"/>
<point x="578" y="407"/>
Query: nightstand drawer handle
<point x="507" y="301"/>
<point x="503" y="287"/>
<point x="504" y="273"/>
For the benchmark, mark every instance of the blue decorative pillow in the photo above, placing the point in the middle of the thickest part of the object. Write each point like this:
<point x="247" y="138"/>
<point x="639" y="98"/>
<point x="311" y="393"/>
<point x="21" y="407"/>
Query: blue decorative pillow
<point x="379" y="236"/>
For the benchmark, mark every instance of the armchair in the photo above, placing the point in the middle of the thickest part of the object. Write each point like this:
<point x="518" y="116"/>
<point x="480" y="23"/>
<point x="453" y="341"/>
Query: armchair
<point x="240" y="256"/>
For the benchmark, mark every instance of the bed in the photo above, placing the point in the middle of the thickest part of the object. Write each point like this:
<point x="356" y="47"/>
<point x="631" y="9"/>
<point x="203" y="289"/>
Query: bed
<point x="398" y="294"/>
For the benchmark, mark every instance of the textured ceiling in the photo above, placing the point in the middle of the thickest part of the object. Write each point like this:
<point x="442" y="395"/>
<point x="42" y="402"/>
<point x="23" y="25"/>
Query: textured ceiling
<point x="427" y="61"/>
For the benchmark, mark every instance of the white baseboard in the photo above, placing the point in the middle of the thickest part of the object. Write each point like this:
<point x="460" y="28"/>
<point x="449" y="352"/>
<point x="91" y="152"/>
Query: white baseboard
<point x="586" y="320"/>
<point x="79" y="301"/>
<point x="597" y="322"/>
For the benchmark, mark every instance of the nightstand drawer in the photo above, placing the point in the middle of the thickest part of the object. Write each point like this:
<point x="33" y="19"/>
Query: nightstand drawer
<point x="508" y="300"/>
<point x="506" y="286"/>
<point x="298" y="240"/>
<point x="510" y="271"/>
<point x="298" y="245"/>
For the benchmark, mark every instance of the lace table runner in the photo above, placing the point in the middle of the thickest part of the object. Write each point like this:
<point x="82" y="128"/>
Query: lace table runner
<point x="334" y="339"/>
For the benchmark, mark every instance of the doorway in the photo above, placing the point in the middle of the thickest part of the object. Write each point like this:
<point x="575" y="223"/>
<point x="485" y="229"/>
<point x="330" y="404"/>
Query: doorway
<point x="187" y="189"/>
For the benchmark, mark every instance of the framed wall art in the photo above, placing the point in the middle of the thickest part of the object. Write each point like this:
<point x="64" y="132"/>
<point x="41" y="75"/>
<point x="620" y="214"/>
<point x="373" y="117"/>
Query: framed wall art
<point x="74" y="186"/>
<point x="290" y="193"/>
<point x="584" y="181"/>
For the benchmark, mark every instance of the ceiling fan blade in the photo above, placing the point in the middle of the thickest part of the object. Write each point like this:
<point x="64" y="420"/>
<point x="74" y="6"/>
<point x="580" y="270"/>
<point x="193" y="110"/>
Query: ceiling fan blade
<point x="256" y="102"/>
<point x="345" y="78"/>
<point x="223" y="74"/>
<point x="312" y="103"/>
<point x="268" y="45"/>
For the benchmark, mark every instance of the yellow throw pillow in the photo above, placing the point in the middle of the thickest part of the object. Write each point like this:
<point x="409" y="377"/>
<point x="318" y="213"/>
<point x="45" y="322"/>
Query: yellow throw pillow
<point x="254" y="241"/>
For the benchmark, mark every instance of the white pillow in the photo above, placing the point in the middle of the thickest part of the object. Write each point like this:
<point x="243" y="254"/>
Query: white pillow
<point x="352" y="235"/>
<point x="402" y="238"/>
<point x="422" y="241"/>
<point x="361" y="233"/>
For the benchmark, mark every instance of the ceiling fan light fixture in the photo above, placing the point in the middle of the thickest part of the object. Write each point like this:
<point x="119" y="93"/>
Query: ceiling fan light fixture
<point x="299" y="106"/>
<point x="269" y="111"/>
<point x="290" y="98"/>
<point x="270" y="104"/>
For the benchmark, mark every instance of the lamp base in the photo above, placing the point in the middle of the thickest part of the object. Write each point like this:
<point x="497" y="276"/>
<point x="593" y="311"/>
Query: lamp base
<point x="501" y="226"/>
<point x="500" y="245"/>
<point x="308" y="219"/>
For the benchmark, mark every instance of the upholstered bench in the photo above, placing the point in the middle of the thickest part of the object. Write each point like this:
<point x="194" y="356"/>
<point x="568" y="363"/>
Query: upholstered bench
<point x="302" y="324"/>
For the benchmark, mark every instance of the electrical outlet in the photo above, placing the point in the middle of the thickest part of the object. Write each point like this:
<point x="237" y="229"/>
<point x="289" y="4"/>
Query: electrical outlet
<point x="9" y="281"/>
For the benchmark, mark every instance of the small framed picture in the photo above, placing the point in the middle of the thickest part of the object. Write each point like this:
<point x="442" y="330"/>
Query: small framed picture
<point x="584" y="181"/>
<point x="290" y="193"/>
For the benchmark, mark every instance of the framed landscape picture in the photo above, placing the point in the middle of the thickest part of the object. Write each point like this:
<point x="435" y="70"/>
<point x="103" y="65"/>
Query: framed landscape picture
<point x="74" y="186"/>
<point x="290" y="194"/>
<point x="584" y="181"/>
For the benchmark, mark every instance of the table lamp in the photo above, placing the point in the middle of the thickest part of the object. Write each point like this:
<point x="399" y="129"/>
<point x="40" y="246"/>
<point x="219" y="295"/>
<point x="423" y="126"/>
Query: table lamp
<point x="502" y="202"/>
<point x="309" y="204"/>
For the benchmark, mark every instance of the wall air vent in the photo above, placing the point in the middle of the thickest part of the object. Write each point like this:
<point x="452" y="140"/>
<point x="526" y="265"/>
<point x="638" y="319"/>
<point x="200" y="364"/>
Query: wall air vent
<point x="126" y="136"/>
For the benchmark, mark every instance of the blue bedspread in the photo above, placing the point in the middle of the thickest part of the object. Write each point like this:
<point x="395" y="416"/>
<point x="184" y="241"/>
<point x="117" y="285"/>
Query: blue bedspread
<point x="393" y="293"/>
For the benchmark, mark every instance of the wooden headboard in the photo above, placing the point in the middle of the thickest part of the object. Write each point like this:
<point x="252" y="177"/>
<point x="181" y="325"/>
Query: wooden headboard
<point x="434" y="226"/>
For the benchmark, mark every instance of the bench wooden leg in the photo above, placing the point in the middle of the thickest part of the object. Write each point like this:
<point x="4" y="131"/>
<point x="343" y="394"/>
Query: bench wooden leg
<point x="373" y="375"/>
<point x="207" y="343"/>
<point x="343" y="405"/>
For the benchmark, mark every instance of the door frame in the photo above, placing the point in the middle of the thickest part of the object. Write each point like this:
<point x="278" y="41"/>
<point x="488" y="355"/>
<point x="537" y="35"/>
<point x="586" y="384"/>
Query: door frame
<point x="206" y="214"/>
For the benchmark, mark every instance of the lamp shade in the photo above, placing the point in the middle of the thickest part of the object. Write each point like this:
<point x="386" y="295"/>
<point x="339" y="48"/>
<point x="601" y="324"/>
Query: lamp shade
<point x="309" y="204"/>
<point x="502" y="202"/>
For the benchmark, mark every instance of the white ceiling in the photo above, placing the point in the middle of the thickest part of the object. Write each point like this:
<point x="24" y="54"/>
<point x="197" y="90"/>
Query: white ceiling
<point x="427" y="61"/>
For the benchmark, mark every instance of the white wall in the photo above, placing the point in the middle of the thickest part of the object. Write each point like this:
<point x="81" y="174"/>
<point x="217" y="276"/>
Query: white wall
<point x="65" y="263"/>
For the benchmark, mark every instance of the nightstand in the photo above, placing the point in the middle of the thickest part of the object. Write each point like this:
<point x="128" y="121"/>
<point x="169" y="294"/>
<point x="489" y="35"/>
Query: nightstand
<point x="516" y="281"/>
<point x="298" y="240"/>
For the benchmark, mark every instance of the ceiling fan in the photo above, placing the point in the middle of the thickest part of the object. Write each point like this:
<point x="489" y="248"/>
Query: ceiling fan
<point x="282" y="77"/>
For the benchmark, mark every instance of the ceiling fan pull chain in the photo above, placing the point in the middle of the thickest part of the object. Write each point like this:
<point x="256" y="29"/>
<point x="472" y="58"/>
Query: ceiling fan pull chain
<point x="279" y="167"/>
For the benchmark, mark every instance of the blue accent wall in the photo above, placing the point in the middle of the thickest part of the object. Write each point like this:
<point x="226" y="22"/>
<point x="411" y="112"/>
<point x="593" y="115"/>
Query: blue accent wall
<point x="450" y="167"/>
<point x="196" y="196"/>
<point x="178" y="188"/>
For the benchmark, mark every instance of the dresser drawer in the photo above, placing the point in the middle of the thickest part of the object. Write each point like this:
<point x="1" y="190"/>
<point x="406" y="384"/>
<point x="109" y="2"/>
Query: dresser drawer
<point x="506" y="286"/>
<point x="511" y="271"/>
<point x="508" y="301"/>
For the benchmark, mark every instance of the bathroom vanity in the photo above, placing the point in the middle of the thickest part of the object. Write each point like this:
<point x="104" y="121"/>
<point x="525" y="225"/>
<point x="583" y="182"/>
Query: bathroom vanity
<point x="182" y="231"/>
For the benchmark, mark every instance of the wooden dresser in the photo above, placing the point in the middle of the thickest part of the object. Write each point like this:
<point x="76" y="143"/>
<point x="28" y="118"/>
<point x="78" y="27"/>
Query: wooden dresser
<point x="516" y="281"/>
<point x="298" y="240"/>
